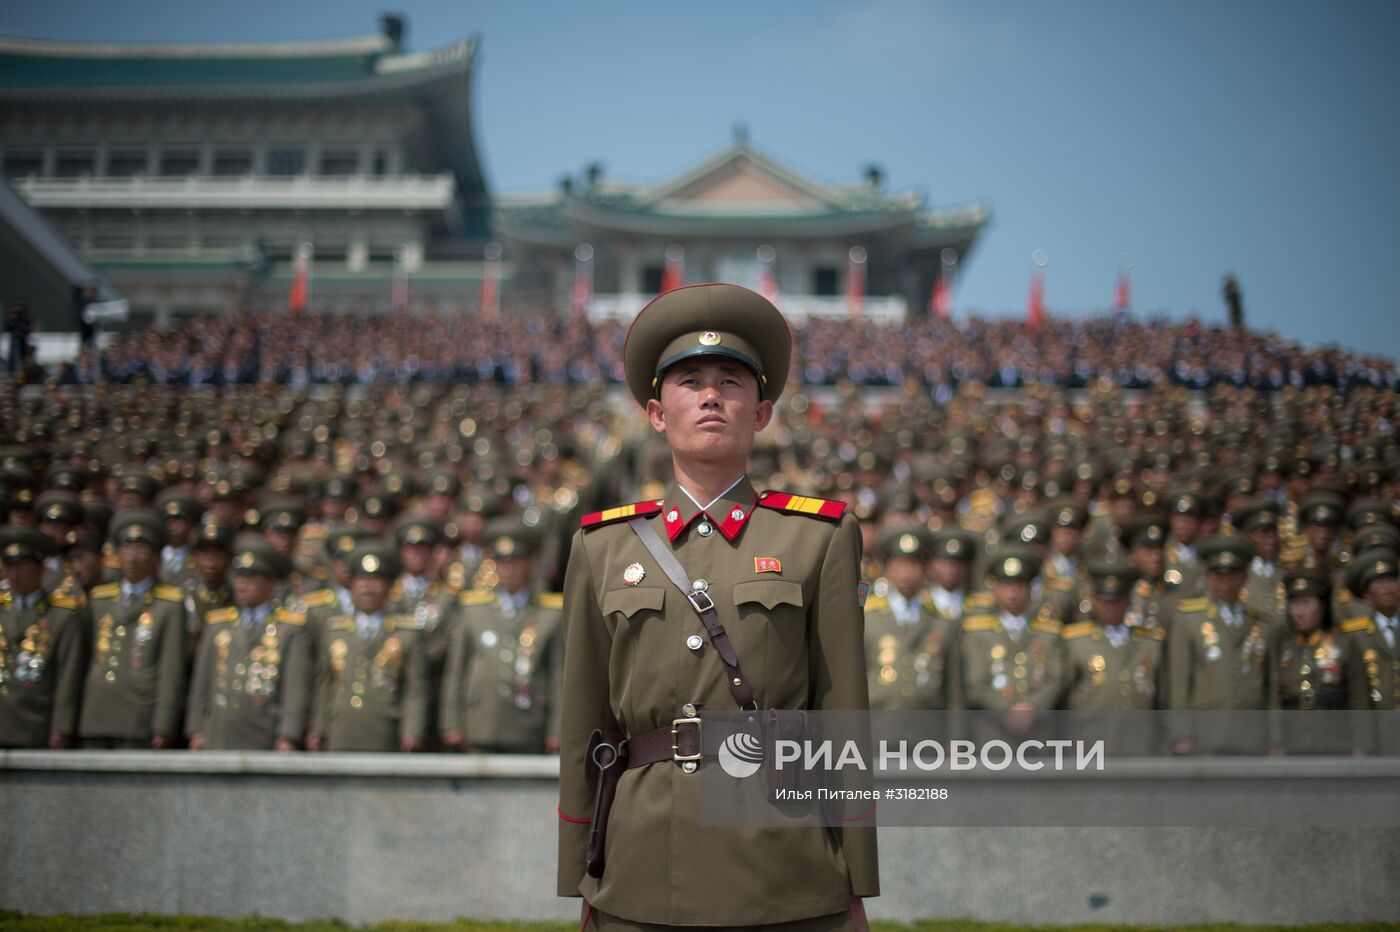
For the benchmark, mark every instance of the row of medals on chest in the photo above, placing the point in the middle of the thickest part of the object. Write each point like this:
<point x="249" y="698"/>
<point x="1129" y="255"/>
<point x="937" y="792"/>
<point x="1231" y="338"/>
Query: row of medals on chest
<point x="111" y="636"/>
<point x="257" y="676"/>
<point x="388" y="662"/>
<point x="30" y="660"/>
<point x="520" y="659"/>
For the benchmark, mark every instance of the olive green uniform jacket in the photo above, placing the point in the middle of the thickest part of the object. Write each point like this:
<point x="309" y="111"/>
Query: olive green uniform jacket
<point x="908" y="663"/>
<point x="252" y="683"/>
<point x="43" y="653"/>
<point x="501" y="685"/>
<point x="784" y="582"/>
<point x="370" y="694"/>
<point x="1106" y="687"/>
<point x="994" y="671"/>
<point x="1212" y="665"/>
<point x="135" y="685"/>
<point x="1373" y="682"/>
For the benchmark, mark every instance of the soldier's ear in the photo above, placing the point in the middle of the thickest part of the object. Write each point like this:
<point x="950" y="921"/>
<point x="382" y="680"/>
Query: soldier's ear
<point x="656" y="416"/>
<point x="763" y="414"/>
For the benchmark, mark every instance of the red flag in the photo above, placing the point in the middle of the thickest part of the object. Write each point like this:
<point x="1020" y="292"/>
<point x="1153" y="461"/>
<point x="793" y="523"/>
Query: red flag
<point x="940" y="302"/>
<point x="673" y="276"/>
<point x="1121" y="292"/>
<point x="855" y="282"/>
<point x="1035" y="307"/>
<point x="582" y="292"/>
<point x="767" y="281"/>
<point x="300" y="294"/>
<point x="491" y="281"/>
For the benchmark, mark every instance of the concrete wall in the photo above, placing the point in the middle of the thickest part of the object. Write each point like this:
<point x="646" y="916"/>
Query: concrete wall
<point x="368" y="837"/>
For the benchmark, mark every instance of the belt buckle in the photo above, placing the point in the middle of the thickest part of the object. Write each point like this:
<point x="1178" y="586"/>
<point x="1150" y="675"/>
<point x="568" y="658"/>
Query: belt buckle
<point x="676" y="754"/>
<point x="700" y="601"/>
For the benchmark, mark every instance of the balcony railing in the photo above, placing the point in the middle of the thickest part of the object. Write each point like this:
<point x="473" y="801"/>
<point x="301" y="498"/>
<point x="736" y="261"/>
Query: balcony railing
<point x="356" y="192"/>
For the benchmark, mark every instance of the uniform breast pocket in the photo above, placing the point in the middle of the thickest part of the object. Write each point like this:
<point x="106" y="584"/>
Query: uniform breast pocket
<point x="635" y="603"/>
<point x="778" y="600"/>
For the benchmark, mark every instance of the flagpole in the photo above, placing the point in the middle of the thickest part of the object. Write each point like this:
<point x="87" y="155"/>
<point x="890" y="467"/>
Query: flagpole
<point x="855" y="281"/>
<point x="1035" y="311"/>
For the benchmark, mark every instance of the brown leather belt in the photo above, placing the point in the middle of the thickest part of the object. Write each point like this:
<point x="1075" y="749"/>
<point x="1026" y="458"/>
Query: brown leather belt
<point x="682" y="740"/>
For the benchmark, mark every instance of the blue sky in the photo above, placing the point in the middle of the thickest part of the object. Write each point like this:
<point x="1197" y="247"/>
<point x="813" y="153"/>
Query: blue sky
<point x="1259" y="138"/>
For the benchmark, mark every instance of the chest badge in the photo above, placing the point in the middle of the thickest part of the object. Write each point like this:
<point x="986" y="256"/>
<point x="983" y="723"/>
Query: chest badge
<point x="767" y="565"/>
<point x="634" y="574"/>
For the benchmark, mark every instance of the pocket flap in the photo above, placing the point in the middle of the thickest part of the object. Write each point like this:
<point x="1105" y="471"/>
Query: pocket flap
<point x="632" y="600"/>
<point x="768" y="592"/>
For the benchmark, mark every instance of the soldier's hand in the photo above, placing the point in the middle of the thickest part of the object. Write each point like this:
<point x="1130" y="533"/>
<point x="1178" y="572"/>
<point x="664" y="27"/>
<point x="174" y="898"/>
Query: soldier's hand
<point x="197" y="742"/>
<point x="857" y="912"/>
<point x="59" y="742"/>
<point x="314" y="742"/>
<point x="160" y="742"/>
<point x="551" y="744"/>
<point x="409" y="744"/>
<point x="452" y="740"/>
<point x="284" y="745"/>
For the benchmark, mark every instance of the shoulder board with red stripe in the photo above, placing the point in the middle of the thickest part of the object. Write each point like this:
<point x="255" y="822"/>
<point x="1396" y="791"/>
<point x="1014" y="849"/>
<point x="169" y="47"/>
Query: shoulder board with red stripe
<point x="620" y="513"/>
<point x="803" y="505"/>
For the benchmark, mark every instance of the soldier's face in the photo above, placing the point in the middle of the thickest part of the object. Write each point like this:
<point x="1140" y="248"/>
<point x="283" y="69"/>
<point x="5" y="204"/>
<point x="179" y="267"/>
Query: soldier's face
<point x="1384" y="595"/>
<point x="213" y="564"/>
<point x="905" y="574"/>
<point x="709" y="410"/>
<point x="1226" y="586"/>
<point x="515" y="574"/>
<point x="369" y="592"/>
<point x="179" y="531"/>
<point x="284" y="541"/>
<point x="24" y="576"/>
<point x="948" y="573"/>
<point x="1109" y="610"/>
<point x="1152" y="561"/>
<point x="1320" y="537"/>
<point x="1265" y="543"/>
<point x="138" y="561"/>
<point x="1065" y="539"/>
<point x="416" y="558"/>
<point x="252" y="589"/>
<point x="85" y="566"/>
<point x="1305" y="613"/>
<point x="1012" y="595"/>
<point x="1185" y="528"/>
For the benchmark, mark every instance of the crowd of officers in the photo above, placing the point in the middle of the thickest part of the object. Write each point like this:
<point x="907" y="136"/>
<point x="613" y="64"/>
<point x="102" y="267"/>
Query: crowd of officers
<point x="378" y="571"/>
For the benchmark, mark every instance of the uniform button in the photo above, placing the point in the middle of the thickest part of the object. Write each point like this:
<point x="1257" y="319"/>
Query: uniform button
<point x="704" y="529"/>
<point x="688" y="710"/>
<point x="700" y="585"/>
<point x="738" y="681"/>
<point x="694" y="642"/>
<point x="688" y="766"/>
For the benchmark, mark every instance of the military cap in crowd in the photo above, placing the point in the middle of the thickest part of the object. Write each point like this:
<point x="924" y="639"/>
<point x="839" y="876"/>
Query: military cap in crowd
<point x="398" y="485"/>
<point x="1239" y="483"/>
<point x="1112" y="579"/>
<point x="1369" y="511"/>
<point x="342" y="540"/>
<point x="1376" y="535"/>
<point x="1185" y="502"/>
<point x="255" y="555"/>
<point x="374" y="558"/>
<point x="707" y="320"/>
<point x="175" y="504"/>
<point x="418" y="530"/>
<point x="953" y="544"/>
<point x="84" y="538"/>
<point x="67" y="477"/>
<point x="508" y="539"/>
<point x="18" y="543"/>
<point x="339" y="488"/>
<point x="98" y="515"/>
<point x="376" y="505"/>
<point x="224" y="489"/>
<point x="139" y="526"/>
<point x="904" y="540"/>
<point x="1321" y="507"/>
<point x="213" y="536"/>
<point x="1306" y="581"/>
<point x="1017" y="563"/>
<point x="59" y="507"/>
<point x="1223" y="554"/>
<point x="1369" y="566"/>
<point x="283" y="517"/>
<point x="1031" y="529"/>
<point x="140" y="484"/>
<point x="1069" y="514"/>
<point x="444" y="483"/>
<point x="1258" y="515"/>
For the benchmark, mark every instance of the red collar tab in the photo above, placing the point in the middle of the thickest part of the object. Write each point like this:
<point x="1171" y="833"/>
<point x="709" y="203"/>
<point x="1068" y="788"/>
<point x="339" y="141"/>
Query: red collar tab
<point x="620" y="513"/>
<point x="803" y="505"/>
<point x="730" y="523"/>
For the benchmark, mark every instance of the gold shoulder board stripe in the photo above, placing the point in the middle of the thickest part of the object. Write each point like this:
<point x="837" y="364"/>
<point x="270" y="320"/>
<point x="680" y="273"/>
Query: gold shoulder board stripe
<point x="107" y="591"/>
<point x="1356" y="624"/>
<point x="63" y="601"/>
<point x="1193" y="605"/>
<point x="1047" y="624"/>
<point x="1151" y="634"/>
<point x="319" y="598"/>
<point x="552" y="600"/>
<point x="1077" y="630"/>
<point x="289" y="617"/>
<point x="980" y="623"/>
<point x="221" y="615"/>
<point x="403" y="623"/>
<point x="170" y="593"/>
<point x="876" y="603"/>
<point x="477" y="597"/>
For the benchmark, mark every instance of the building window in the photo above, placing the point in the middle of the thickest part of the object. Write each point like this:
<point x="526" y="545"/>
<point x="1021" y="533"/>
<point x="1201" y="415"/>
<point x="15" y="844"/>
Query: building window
<point x="126" y="163"/>
<point x="233" y="164"/>
<point x="824" y="281"/>
<point x="651" y="279"/>
<point x="23" y="164"/>
<point x="286" y="162"/>
<point x="339" y="164"/>
<point x="178" y="163"/>
<point x="74" y="164"/>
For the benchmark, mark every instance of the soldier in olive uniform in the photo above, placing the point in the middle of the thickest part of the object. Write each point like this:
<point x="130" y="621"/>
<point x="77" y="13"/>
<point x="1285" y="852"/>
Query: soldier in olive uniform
<point x="1009" y="661"/>
<point x="334" y="598"/>
<point x="82" y="557"/>
<point x="1309" y="671"/>
<point x="906" y="641"/>
<point x="281" y="524"/>
<point x="1186" y="510"/>
<point x="950" y="571"/>
<point x="419" y="593"/>
<point x="252" y="675"/>
<point x="707" y="363"/>
<point x="43" y="648"/>
<point x="58" y="513"/>
<point x="1151" y="603"/>
<point x="1263" y="587"/>
<point x="500" y="691"/>
<point x="371" y="672"/>
<point x="1217" y="656"/>
<point x="1113" y="667"/>
<point x="1373" y="648"/>
<point x="1067" y="521"/>
<point x="181" y="513"/>
<point x="135" y="687"/>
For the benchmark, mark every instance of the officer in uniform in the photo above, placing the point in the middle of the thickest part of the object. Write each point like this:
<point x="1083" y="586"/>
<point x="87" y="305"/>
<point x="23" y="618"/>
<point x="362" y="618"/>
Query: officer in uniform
<point x="1309" y="670"/>
<point x="950" y="569"/>
<point x="780" y="572"/>
<point x="371" y="672"/>
<point x="1373" y="648"/>
<point x="43" y="648"/>
<point x="906" y="640"/>
<point x="1217" y="656"/>
<point x="1144" y="541"/>
<point x="334" y="597"/>
<point x="1067" y="521"/>
<point x="418" y="592"/>
<point x="181" y="513"/>
<point x="1186" y="511"/>
<point x="135" y="687"/>
<point x="1263" y="587"/>
<point x="505" y="665"/>
<point x="57" y="513"/>
<point x="1112" y="667"/>
<point x="1008" y="660"/>
<point x="252" y="675"/>
<point x="82" y="555"/>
